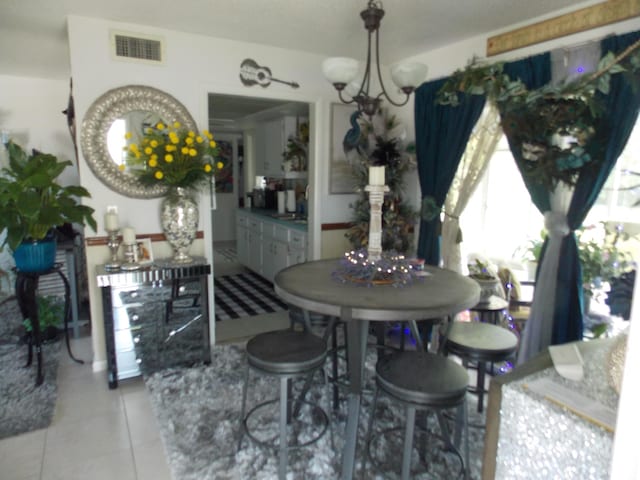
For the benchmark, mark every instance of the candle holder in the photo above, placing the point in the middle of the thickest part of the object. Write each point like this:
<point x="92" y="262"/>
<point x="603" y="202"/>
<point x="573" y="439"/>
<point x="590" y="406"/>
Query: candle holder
<point x="130" y="257"/>
<point x="113" y="243"/>
<point x="376" y="198"/>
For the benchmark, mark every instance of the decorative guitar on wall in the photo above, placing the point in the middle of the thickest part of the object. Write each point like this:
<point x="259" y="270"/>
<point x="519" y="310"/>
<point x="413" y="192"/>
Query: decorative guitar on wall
<point x="253" y="74"/>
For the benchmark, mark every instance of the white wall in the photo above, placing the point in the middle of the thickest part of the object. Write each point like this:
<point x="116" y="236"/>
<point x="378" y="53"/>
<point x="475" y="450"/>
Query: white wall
<point x="31" y="112"/>
<point x="194" y="67"/>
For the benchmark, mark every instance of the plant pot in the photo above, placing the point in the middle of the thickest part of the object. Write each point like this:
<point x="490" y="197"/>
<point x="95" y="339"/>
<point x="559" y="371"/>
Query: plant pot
<point x="36" y="256"/>
<point x="488" y="287"/>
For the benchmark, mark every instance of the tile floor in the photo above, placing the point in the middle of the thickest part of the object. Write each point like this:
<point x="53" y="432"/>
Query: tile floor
<point x="102" y="434"/>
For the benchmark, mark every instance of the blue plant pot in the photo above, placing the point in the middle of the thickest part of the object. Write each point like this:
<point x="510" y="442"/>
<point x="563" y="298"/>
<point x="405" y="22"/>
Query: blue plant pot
<point x="37" y="256"/>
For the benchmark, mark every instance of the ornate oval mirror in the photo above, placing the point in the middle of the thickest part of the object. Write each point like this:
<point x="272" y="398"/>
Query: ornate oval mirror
<point x="118" y="111"/>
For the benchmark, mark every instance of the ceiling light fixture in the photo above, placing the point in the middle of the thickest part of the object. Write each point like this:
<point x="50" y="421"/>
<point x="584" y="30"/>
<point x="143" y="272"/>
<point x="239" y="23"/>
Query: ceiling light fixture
<point x="342" y="71"/>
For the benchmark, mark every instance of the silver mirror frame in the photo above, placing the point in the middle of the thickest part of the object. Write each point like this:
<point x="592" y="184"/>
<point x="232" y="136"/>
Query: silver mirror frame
<point x="104" y="111"/>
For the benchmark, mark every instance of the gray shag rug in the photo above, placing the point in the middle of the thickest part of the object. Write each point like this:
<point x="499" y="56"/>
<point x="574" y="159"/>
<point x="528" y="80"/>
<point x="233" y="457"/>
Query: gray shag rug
<point x="198" y="413"/>
<point x="23" y="405"/>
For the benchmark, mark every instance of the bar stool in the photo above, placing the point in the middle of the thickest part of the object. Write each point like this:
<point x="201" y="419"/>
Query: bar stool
<point x="284" y="354"/>
<point x="481" y="343"/>
<point x="422" y="381"/>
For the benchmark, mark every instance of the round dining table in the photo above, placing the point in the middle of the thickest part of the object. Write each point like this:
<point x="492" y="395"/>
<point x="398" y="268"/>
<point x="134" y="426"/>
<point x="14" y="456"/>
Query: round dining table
<point x="313" y="286"/>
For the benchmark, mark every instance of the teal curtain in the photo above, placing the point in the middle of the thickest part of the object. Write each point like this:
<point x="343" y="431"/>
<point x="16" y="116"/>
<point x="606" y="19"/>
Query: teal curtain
<point x="621" y="108"/>
<point x="534" y="72"/>
<point x="442" y="133"/>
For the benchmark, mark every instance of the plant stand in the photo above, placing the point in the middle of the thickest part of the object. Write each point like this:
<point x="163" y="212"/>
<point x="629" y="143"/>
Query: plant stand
<point x="26" y="287"/>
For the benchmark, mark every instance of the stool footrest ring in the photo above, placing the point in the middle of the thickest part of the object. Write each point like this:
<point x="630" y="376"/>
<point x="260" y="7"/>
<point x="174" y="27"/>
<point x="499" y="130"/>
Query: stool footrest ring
<point x="268" y="443"/>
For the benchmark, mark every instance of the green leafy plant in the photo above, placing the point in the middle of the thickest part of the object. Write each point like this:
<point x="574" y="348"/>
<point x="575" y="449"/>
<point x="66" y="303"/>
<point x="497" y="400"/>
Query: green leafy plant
<point x="50" y="313"/>
<point x="600" y="254"/>
<point x="555" y="126"/>
<point x="31" y="200"/>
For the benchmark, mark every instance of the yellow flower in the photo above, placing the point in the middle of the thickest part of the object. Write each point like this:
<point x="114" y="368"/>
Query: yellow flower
<point x="154" y="143"/>
<point x="191" y="134"/>
<point x="122" y="167"/>
<point x="170" y="148"/>
<point x="154" y="157"/>
<point x="173" y="136"/>
<point x="207" y="134"/>
<point x="160" y="126"/>
<point x="128" y="135"/>
<point x="193" y="152"/>
<point x="219" y="165"/>
<point x="176" y="124"/>
<point x="133" y="147"/>
<point x="158" y="175"/>
<point x="199" y="139"/>
<point x="185" y="150"/>
<point x="207" y="168"/>
<point x="153" y="162"/>
<point x="168" y="158"/>
<point x="212" y="144"/>
<point x="188" y="141"/>
<point x="148" y="150"/>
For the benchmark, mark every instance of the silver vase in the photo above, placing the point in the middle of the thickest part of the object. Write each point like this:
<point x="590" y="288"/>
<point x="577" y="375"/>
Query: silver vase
<point x="179" y="219"/>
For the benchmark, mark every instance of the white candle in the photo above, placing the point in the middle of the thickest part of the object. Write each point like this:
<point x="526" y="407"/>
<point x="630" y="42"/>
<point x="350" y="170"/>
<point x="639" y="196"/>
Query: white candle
<point x="376" y="175"/>
<point x="128" y="236"/>
<point x="111" y="221"/>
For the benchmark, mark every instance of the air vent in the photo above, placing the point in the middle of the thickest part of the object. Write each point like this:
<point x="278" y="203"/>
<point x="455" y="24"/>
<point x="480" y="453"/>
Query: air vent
<point x="136" y="47"/>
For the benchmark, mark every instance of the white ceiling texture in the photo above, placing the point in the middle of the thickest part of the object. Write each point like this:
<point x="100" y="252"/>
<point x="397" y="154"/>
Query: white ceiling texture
<point x="33" y="39"/>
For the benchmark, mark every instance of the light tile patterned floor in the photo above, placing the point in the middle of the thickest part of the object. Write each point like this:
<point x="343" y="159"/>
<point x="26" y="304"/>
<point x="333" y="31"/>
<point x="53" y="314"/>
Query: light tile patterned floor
<point x="96" y="433"/>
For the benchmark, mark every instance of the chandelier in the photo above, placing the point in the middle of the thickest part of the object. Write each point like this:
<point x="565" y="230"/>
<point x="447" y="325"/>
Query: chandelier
<point x="342" y="71"/>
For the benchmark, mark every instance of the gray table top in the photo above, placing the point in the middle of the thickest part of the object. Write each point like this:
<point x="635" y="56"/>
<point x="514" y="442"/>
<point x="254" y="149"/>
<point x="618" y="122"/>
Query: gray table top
<point x="311" y="287"/>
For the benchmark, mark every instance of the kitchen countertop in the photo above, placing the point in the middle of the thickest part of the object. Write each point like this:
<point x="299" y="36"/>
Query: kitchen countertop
<point x="271" y="215"/>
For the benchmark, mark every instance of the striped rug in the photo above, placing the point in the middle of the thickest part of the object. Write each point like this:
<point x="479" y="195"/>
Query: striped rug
<point x="245" y="295"/>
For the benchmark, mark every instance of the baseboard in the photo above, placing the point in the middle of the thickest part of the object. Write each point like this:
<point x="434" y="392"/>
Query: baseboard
<point x="99" y="365"/>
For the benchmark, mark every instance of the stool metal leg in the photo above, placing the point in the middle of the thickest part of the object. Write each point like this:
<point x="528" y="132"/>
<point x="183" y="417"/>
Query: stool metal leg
<point x="284" y="404"/>
<point x="408" y="443"/>
<point x="243" y="408"/>
<point x="480" y="385"/>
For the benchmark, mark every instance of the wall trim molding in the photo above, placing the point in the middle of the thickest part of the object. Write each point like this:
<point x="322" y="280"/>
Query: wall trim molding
<point x="605" y="13"/>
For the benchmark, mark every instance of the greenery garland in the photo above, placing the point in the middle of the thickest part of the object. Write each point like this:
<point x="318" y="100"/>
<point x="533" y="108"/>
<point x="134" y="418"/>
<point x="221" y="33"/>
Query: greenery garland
<point x="556" y="127"/>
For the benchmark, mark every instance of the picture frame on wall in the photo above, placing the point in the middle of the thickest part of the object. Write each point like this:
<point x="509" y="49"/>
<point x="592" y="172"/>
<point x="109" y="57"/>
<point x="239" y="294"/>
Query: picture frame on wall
<point x="341" y="177"/>
<point x="144" y="251"/>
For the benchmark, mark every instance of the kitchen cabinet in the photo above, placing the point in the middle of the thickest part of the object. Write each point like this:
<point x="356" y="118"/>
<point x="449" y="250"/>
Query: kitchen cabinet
<point x="266" y="245"/>
<point x="271" y="142"/>
<point x="154" y="318"/>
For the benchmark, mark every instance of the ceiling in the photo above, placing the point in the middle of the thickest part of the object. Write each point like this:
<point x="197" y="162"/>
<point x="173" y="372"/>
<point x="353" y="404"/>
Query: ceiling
<point x="33" y="32"/>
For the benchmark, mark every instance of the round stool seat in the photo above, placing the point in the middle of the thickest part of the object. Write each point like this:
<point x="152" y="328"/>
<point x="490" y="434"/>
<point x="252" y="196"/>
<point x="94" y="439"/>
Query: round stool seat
<point x="481" y="341"/>
<point x="423" y="378"/>
<point x="286" y="352"/>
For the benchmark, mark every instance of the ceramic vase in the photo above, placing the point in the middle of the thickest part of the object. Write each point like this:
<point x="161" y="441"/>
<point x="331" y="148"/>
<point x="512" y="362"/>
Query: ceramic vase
<point x="179" y="219"/>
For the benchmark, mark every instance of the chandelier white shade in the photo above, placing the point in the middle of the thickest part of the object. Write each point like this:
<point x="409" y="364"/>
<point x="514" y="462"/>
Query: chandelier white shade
<point x="342" y="71"/>
<point x="408" y="75"/>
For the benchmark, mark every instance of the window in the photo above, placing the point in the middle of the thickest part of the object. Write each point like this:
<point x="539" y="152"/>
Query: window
<point x="500" y="217"/>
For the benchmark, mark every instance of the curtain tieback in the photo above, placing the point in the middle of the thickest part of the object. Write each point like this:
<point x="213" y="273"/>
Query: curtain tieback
<point x="556" y="224"/>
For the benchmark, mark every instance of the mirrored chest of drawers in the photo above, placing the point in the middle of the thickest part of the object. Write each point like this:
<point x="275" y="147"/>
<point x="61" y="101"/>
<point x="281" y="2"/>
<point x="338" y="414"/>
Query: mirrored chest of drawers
<point x="155" y="317"/>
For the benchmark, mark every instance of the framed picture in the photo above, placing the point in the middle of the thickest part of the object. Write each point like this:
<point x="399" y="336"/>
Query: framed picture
<point x="341" y="178"/>
<point x="224" y="177"/>
<point x="144" y="252"/>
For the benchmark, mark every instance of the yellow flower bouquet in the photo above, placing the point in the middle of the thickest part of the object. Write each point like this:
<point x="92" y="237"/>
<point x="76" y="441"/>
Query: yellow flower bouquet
<point x="174" y="156"/>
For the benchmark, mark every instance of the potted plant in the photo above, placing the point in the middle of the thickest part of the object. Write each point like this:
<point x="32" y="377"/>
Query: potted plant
<point x="486" y="278"/>
<point x="50" y="316"/>
<point x="33" y="204"/>
<point x="601" y="256"/>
